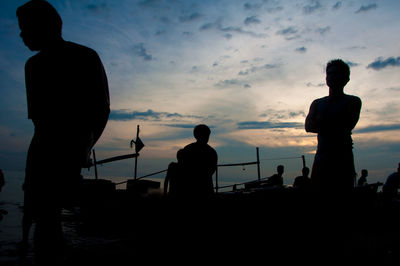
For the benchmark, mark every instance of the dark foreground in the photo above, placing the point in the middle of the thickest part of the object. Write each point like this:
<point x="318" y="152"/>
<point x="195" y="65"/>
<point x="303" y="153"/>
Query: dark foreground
<point x="277" y="226"/>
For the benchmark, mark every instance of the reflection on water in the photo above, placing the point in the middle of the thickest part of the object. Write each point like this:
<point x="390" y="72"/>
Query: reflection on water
<point x="11" y="200"/>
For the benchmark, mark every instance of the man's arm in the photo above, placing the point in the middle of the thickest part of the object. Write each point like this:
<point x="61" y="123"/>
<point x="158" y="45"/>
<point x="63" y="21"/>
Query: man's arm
<point x="354" y="109"/>
<point x="311" y="123"/>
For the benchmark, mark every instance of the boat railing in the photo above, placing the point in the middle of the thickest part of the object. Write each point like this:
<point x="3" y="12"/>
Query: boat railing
<point x="217" y="187"/>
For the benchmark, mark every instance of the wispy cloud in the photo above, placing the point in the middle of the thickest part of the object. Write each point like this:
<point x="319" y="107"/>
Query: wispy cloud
<point x="98" y="8"/>
<point x="301" y="50"/>
<point x="252" y="6"/>
<point x="232" y="83"/>
<point x="337" y="5"/>
<point x="268" y="125"/>
<point x="273" y="115"/>
<point x="141" y="51"/>
<point x="289" y="33"/>
<point x="311" y="8"/>
<point x="189" y="18"/>
<point x="366" y="8"/>
<point x="252" y="20"/>
<point x="149" y="115"/>
<point x="381" y="63"/>
<point x="323" y="30"/>
<point x="254" y="69"/>
<point x="230" y="29"/>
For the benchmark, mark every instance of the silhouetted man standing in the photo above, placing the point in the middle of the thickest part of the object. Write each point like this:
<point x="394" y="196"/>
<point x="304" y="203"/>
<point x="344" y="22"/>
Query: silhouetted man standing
<point x="333" y="117"/>
<point x="199" y="162"/>
<point x="68" y="103"/>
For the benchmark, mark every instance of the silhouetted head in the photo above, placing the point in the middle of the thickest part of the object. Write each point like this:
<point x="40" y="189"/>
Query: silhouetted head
<point x="280" y="169"/>
<point x="364" y="172"/>
<point x="202" y="133"/>
<point x="305" y="171"/>
<point x="337" y="74"/>
<point x="40" y="24"/>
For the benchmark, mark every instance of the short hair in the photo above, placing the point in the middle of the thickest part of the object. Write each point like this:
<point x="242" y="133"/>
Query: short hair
<point x="201" y="131"/>
<point x="364" y="171"/>
<point x="43" y="15"/>
<point x="341" y="66"/>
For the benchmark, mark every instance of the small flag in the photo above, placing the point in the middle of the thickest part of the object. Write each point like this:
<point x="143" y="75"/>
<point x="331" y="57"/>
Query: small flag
<point x="138" y="144"/>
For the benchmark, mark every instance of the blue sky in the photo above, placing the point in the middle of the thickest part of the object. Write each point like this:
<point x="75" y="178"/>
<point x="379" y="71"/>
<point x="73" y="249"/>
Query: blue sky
<point x="248" y="69"/>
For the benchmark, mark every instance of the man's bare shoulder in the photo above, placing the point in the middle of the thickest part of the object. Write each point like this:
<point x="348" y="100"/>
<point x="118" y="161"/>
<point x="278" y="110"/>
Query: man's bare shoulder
<point x="355" y="100"/>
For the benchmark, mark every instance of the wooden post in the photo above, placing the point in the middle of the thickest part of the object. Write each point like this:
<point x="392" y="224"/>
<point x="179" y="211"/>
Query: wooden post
<point x="95" y="164"/>
<point x="304" y="160"/>
<point x="258" y="164"/>
<point x="216" y="180"/>
<point x="137" y="136"/>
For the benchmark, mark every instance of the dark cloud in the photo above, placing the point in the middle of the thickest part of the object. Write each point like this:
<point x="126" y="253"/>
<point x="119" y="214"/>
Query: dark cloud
<point x="268" y="125"/>
<point x="352" y="64"/>
<point x="141" y="51"/>
<point x="230" y="29"/>
<point x="301" y="50"/>
<point x="181" y="125"/>
<point x="311" y="8"/>
<point x="149" y="115"/>
<point x="337" y="5"/>
<point x="191" y="17"/>
<point x="252" y="20"/>
<point x="228" y="82"/>
<point x="252" y="6"/>
<point x="366" y="8"/>
<point x="378" y="128"/>
<point x="324" y="30"/>
<point x="273" y="115"/>
<point x="254" y="69"/>
<point x="381" y="63"/>
<point x="289" y="33"/>
<point x="309" y="84"/>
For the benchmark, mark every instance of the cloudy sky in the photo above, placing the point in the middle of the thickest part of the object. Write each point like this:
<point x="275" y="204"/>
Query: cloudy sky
<point x="248" y="69"/>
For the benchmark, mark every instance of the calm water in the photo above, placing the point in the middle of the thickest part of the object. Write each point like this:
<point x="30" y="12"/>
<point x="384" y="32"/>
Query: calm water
<point x="11" y="200"/>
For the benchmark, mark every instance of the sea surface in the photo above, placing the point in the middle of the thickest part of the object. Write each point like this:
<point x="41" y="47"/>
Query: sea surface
<point x="11" y="201"/>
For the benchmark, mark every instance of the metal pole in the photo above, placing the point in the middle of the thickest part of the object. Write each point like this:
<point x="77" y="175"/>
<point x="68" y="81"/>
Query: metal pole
<point x="95" y="164"/>
<point x="258" y="164"/>
<point x="137" y="136"/>
<point x="304" y="160"/>
<point x="216" y="180"/>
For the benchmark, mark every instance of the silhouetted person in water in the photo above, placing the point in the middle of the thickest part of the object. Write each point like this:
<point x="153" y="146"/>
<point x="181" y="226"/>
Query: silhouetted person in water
<point x="276" y="179"/>
<point x="199" y="164"/>
<point x="173" y="177"/>
<point x="391" y="186"/>
<point x="333" y="118"/>
<point x="68" y="103"/>
<point x="362" y="181"/>
<point x="303" y="181"/>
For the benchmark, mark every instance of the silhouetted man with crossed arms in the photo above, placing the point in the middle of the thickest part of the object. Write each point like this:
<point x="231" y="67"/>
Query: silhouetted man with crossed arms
<point x="68" y="103"/>
<point x="333" y="118"/>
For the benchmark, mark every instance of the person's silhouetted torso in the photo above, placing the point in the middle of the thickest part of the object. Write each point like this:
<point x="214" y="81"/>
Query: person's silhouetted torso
<point x="68" y="103"/>
<point x="199" y="162"/>
<point x="333" y="118"/>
